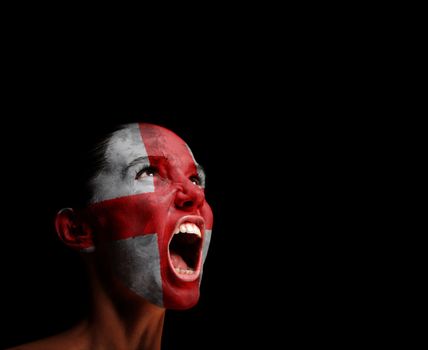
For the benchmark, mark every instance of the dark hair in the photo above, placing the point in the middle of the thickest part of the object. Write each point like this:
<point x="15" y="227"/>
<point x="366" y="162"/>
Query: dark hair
<point x="82" y="153"/>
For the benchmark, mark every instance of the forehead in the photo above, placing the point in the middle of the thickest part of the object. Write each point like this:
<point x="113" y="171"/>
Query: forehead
<point x="145" y="140"/>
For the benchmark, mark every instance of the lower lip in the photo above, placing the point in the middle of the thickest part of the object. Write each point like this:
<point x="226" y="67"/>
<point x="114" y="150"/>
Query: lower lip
<point x="184" y="276"/>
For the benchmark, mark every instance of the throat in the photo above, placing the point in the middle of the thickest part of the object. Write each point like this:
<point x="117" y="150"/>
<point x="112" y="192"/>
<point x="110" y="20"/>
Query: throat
<point x="123" y="324"/>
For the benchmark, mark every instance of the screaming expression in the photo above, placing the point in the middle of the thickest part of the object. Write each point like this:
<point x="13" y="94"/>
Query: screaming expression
<point x="150" y="216"/>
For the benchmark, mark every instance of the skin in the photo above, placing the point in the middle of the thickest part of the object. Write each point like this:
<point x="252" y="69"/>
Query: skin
<point x="123" y="317"/>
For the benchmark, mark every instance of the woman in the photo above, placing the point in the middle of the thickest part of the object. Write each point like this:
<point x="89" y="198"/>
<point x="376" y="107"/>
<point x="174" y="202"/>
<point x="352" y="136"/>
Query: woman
<point x="144" y="235"/>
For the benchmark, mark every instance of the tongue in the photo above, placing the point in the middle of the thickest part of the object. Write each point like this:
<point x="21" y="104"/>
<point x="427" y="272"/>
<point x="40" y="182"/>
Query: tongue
<point x="177" y="261"/>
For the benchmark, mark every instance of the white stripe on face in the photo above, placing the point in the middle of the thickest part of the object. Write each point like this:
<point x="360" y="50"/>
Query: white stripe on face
<point x="205" y="246"/>
<point x="117" y="178"/>
<point x="137" y="263"/>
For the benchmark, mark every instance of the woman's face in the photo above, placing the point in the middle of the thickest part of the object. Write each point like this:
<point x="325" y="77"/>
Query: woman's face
<point x="150" y="217"/>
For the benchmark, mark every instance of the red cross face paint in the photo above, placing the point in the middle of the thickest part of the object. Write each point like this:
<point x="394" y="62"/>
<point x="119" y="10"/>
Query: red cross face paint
<point x="149" y="215"/>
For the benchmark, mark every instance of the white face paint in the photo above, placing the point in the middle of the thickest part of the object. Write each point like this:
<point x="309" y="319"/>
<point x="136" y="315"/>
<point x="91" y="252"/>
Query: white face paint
<point x="124" y="147"/>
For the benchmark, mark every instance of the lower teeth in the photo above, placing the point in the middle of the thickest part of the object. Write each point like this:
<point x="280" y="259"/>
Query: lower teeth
<point x="187" y="272"/>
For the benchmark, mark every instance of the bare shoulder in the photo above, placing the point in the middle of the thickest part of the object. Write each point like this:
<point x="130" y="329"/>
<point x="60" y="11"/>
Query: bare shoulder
<point x="73" y="339"/>
<point x="51" y="343"/>
<point x="45" y="344"/>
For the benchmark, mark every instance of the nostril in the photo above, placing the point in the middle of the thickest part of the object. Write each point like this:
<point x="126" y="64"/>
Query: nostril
<point x="187" y="204"/>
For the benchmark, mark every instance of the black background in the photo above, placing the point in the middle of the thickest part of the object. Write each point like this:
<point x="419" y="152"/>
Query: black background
<point x="43" y="282"/>
<point x="298" y="124"/>
<point x="263" y="274"/>
<point x="278" y="171"/>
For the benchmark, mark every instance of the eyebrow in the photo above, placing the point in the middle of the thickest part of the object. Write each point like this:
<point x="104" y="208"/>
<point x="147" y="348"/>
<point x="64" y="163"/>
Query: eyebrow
<point x="139" y="160"/>
<point x="145" y="160"/>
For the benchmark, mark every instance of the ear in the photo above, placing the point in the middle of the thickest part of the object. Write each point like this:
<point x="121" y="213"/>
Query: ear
<point x="72" y="232"/>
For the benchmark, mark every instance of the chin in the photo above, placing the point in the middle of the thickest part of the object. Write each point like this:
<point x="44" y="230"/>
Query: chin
<point x="181" y="298"/>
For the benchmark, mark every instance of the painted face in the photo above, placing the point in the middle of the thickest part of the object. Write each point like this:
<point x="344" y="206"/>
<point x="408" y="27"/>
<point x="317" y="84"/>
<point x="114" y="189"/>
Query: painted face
<point x="150" y="216"/>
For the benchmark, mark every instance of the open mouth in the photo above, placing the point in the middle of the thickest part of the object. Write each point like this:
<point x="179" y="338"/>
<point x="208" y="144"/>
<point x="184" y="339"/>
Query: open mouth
<point x="185" y="248"/>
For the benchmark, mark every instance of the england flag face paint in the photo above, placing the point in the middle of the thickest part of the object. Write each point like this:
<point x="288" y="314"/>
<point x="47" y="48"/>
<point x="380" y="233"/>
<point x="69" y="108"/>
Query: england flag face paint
<point x="149" y="215"/>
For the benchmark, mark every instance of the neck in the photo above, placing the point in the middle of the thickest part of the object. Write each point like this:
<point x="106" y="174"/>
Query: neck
<point x="130" y="323"/>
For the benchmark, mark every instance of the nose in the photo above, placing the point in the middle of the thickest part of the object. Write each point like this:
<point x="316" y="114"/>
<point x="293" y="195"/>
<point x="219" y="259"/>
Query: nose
<point x="189" y="197"/>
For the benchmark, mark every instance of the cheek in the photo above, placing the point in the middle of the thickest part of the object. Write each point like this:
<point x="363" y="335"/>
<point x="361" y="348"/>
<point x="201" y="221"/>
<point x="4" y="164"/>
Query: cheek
<point x="207" y="214"/>
<point x="131" y="216"/>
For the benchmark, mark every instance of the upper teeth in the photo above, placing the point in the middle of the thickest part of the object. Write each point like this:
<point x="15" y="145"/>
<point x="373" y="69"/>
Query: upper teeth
<point x="189" y="228"/>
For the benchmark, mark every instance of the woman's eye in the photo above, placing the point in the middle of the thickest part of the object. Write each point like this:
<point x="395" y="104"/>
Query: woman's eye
<point x="145" y="172"/>
<point x="196" y="180"/>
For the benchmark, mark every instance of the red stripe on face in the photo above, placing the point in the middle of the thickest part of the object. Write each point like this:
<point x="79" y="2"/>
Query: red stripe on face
<point x="126" y="217"/>
<point x="177" y="168"/>
<point x="161" y="143"/>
